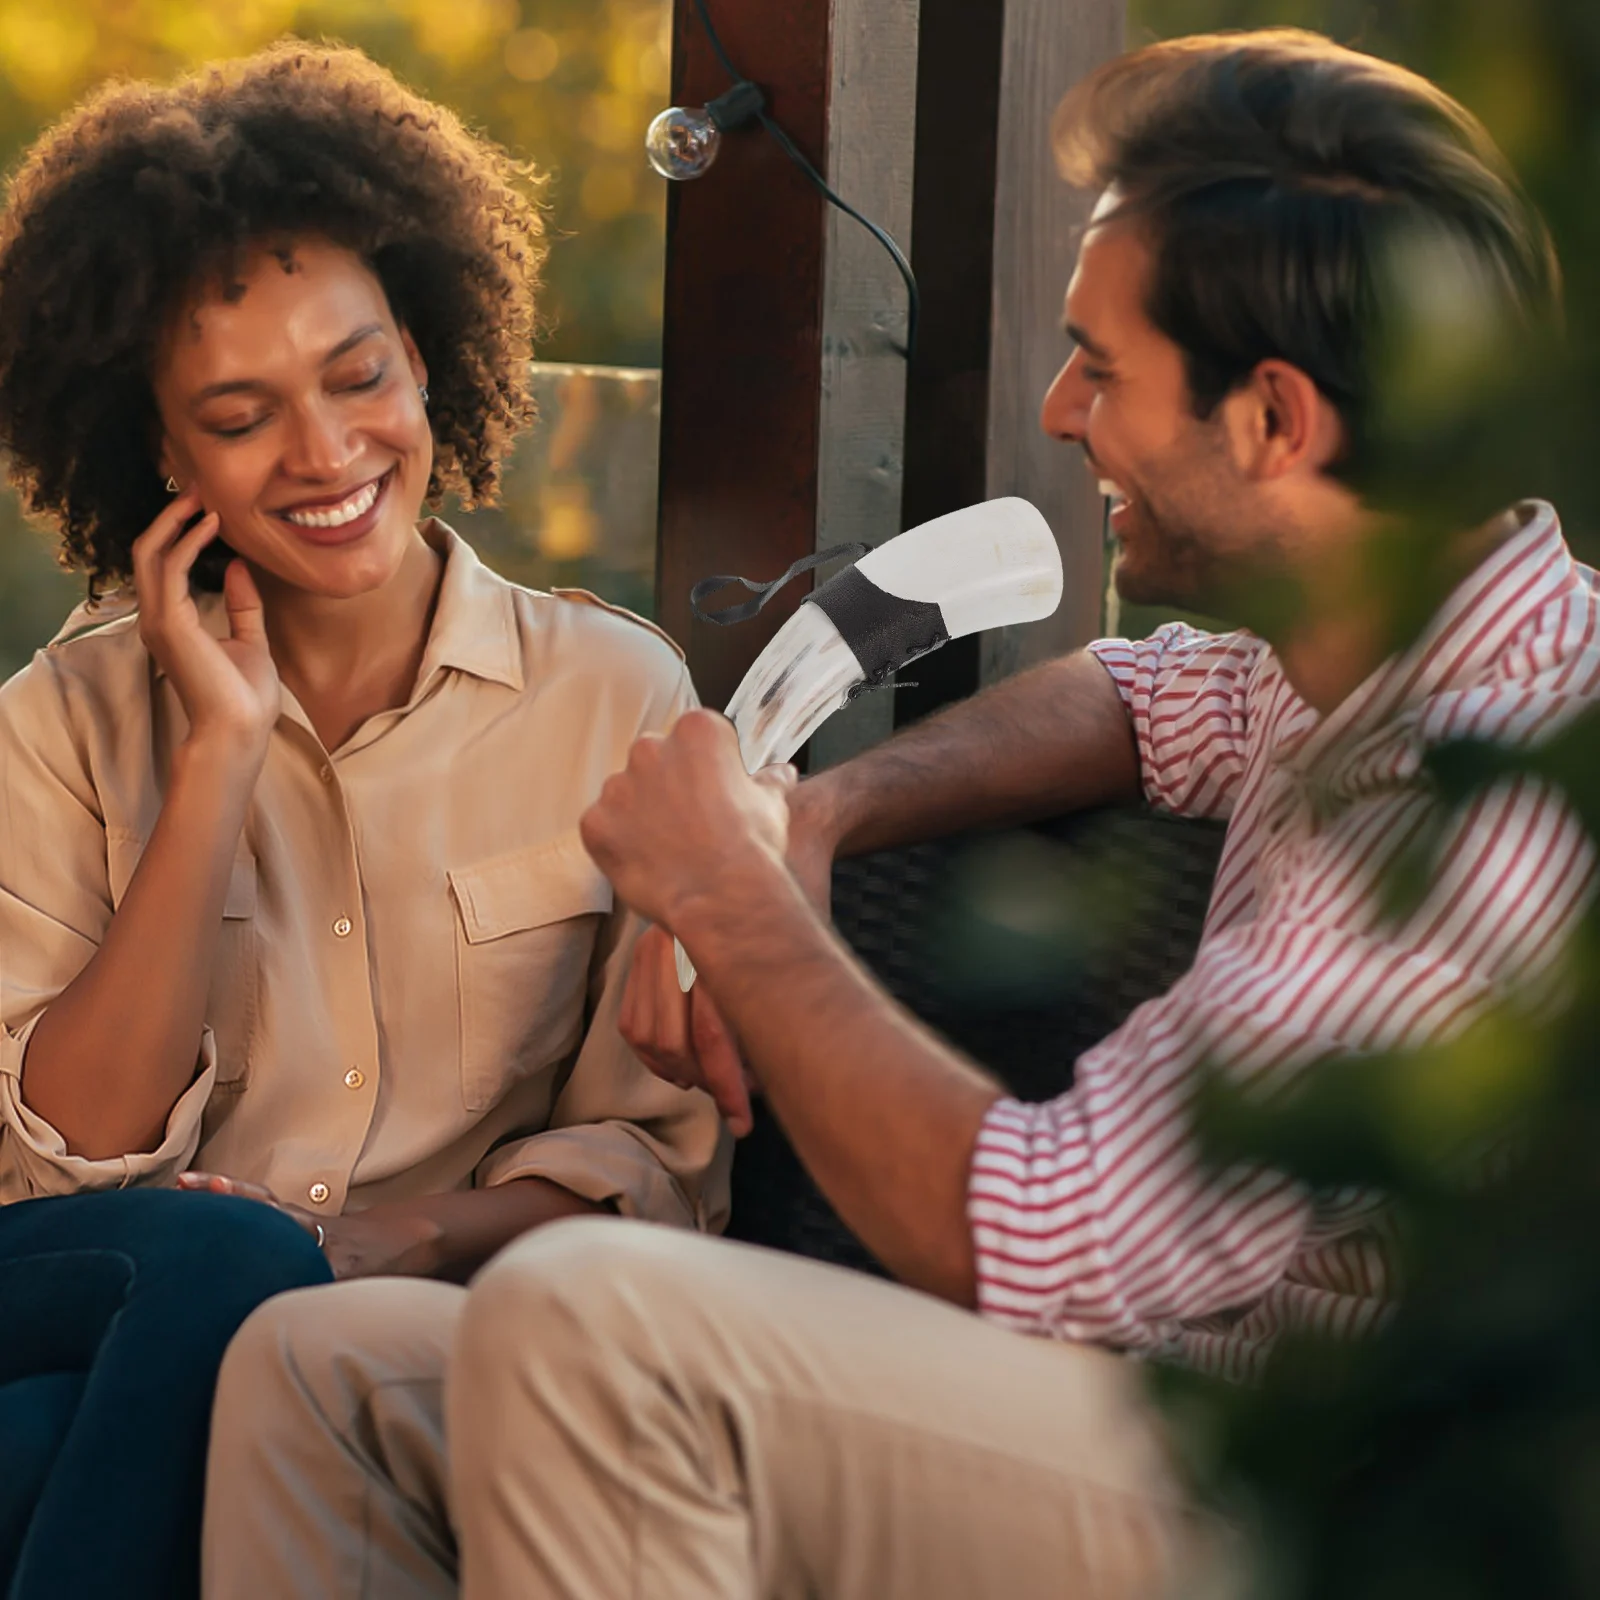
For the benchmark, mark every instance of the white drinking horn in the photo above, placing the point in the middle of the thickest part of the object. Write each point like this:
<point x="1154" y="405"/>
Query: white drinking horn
<point x="980" y="567"/>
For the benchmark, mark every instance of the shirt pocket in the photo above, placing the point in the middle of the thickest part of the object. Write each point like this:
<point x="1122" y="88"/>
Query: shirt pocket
<point x="231" y="1002"/>
<point x="526" y="926"/>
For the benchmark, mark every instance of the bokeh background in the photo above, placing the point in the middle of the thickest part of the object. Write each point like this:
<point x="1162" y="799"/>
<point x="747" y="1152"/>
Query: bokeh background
<point x="570" y="85"/>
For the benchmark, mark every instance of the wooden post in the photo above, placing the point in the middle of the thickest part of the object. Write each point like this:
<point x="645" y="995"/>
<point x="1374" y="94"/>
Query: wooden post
<point x="1049" y="46"/>
<point x="741" y="345"/>
<point x="872" y="109"/>
<point x="958" y="117"/>
<point x="788" y="419"/>
<point x="996" y="238"/>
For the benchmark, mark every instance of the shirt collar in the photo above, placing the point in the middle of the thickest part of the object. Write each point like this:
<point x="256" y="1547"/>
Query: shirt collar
<point x="1478" y="619"/>
<point x="475" y="622"/>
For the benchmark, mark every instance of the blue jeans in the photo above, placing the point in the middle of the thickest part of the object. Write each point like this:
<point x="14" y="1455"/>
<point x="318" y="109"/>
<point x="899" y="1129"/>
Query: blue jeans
<point x="115" y="1310"/>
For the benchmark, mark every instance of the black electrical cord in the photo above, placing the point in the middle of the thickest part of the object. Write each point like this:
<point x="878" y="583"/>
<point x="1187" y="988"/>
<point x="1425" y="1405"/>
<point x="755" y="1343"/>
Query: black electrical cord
<point x="798" y="157"/>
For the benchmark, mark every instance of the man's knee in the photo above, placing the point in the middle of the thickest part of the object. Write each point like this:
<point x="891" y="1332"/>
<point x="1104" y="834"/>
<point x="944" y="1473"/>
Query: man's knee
<point x="588" y="1268"/>
<point x="582" y="1286"/>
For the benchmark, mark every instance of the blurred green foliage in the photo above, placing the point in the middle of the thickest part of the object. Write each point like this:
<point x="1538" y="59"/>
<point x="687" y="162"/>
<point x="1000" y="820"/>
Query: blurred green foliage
<point x="1458" y="1454"/>
<point x="577" y="505"/>
<point x="570" y="85"/>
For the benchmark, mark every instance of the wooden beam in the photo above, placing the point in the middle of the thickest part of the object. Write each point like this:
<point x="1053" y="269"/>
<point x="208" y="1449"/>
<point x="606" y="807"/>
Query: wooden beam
<point x="1049" y="45"/>
<point x="996" y="233"/>
<point x="947" y="396"/>
<point x="741" y="371"/>
<point x="872" y="110"/>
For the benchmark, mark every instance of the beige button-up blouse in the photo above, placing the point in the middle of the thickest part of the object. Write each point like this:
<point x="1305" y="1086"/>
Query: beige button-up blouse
<point x="418" y="967"/>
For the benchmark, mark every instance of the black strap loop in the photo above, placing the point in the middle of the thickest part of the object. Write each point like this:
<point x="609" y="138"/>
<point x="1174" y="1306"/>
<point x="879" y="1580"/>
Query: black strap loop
<point x="763" y="592"/>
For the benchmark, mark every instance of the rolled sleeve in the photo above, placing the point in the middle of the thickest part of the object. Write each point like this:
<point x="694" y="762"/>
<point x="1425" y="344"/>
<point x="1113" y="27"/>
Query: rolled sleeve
<point x="1186" y="694"/>
<point x="35" y="1161"/>
<point x="1076" y="1239"/>
<point x="618" y="1164"/>
<point x="55" y="907"/>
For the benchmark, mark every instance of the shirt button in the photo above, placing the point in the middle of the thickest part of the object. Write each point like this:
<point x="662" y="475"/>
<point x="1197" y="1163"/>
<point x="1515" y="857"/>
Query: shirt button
<point x="342" y="928"/>
<point x="318" y="1192"/>
<point x="325" y="772"/>
<point x="353" y="1079"/>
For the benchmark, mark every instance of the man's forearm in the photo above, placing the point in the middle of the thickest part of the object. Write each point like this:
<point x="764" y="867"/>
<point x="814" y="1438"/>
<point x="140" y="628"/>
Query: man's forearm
<point x="882" y="1113"/>
<point x="1056" y="738"/>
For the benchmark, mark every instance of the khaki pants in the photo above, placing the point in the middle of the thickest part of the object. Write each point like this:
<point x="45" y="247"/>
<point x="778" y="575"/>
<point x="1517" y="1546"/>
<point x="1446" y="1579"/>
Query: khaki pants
<point x="635" y="1413"/>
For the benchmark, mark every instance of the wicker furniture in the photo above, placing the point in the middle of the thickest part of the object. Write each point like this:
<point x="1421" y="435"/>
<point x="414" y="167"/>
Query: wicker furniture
<point x="1022" y="948"/>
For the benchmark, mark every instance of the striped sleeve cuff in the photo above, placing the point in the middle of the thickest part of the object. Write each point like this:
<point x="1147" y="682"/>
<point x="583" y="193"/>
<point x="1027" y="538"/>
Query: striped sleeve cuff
<point x="1120" y="658"/>
<point x="1130" y="660"/>
<point x="1031" y="1208"/>
<point x="602" y="1162"/>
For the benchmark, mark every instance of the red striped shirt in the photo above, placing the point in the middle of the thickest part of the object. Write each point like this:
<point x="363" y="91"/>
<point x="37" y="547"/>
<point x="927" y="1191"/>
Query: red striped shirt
<point x="1092" y="1215"/>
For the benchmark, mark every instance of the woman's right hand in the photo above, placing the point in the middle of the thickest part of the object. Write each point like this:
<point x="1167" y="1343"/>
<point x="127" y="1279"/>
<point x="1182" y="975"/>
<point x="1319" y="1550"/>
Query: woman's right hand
<point x="682" y="1037"/>
<point x="228" y="687"/>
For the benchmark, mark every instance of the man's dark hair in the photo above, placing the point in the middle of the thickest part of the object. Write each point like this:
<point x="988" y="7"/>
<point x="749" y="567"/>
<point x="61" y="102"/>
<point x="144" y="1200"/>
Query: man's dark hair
<point x="1294" y="192"/>
<point x="146" y="192"/>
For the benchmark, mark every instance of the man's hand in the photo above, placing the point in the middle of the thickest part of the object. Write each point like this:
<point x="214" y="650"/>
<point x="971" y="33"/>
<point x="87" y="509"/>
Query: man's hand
<point x="683" y="825"/>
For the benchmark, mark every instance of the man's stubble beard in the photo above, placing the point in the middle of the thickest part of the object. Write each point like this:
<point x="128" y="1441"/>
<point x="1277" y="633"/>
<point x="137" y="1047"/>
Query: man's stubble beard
<point x="1164" y="559"/>
<point x="1186" y="546"/>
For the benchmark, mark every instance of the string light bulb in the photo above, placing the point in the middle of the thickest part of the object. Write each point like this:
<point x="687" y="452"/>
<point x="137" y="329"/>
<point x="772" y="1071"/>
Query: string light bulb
<point x="683" y="141"/>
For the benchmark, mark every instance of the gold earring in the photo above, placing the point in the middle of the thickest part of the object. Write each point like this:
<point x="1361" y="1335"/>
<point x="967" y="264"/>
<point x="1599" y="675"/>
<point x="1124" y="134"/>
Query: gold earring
<point x="172" y="485"/>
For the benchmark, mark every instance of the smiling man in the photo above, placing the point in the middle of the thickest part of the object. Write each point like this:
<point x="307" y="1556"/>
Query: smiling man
<point x="634" y="1412"/>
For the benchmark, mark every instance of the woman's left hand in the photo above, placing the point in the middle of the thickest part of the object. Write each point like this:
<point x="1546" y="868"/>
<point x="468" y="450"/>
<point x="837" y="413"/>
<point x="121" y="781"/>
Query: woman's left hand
<point x="363" y="1244"/>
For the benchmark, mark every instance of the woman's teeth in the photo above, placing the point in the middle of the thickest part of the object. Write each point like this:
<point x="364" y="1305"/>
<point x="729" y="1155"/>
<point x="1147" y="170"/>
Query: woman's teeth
<point x="336" y="516"/>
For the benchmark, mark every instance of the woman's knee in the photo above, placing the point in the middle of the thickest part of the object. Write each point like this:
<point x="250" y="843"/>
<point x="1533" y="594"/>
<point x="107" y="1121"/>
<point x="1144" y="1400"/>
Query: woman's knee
<point x="198" y="1264"/>
<point x="197" y="1251"/>
<point x="233" y="1250"/>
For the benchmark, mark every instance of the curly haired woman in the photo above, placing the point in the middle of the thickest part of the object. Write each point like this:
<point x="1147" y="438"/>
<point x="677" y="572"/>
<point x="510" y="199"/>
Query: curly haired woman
<point x="303" y="969"/>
